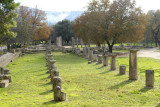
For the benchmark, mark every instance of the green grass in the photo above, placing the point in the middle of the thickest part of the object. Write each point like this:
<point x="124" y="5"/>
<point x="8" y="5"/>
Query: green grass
<point x="86" y="85"/>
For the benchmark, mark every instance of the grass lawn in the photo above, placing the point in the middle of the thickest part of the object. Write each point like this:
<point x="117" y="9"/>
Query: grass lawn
<point x="86" y="85"/>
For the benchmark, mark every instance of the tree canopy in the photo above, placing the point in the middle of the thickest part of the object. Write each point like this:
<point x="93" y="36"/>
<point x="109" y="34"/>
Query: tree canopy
<point x="117" y="22"/>
<point x="7" y="15"/>
<point x="64" y="29"/>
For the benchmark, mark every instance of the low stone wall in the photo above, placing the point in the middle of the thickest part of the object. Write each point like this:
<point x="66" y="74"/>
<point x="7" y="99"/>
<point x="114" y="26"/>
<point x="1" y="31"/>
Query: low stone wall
<point x="7" y="58"/>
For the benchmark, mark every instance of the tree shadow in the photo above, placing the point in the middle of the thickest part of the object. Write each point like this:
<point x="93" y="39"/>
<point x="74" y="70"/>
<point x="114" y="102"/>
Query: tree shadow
<point x="121" y="84"/>
<point x="145" y="89"/>
<point x="47" y="92"/>
<point x="49" y="83"/>
<point x="51" y="102"/>
<point x="118" y="75"/>
<point x="158" y="105"/>
<point x="105" y="72"/>
<point x="101" y="67"/>
<point x="41" y="74"/>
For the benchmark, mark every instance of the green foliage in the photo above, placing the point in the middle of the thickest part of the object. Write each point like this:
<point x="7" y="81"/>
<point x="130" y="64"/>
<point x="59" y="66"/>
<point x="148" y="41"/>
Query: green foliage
<point x="7" y="16"/>
<point x="85" y="85"/>
<point x="64" y="29"/>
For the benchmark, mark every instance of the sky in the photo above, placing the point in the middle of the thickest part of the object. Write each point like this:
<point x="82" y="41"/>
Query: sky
<point x="80" y="5"/>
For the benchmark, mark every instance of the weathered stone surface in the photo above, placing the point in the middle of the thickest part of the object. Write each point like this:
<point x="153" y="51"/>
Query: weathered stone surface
<point x="87" y="52"/>
<point x="18" y="50"/>
<point x="94" y="57"/>
<point x="150" y="78"/>
<point x="7" y="71"/>
<point x="58" y="95"/>
<point x="57" y="86"/>
<point x="54" y="73"/>
<point x="73" y="42"/>
<point x="12" y="50"/>
<point x="57" y="82"/>
<point x="5" y="51"/>
<point x="53" y="65"/>
<point x="90" y="54"/>
<point x="122" y="69"/>
<point x="7" y="77"/>
<point x="4" y="83"/>
<point x="113" y="62"/>
<point x="49" y="57"/>
<point x="105" y="60"/>
<point x="2" y="70"/>
<point x="59" y="41"/>
<point x="133" y="71"/>
<point x="99" y="59"/>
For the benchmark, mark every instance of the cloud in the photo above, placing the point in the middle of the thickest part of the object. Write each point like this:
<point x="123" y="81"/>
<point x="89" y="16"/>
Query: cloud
<point x="55" y="18"/>
<point x="56" y="5"/>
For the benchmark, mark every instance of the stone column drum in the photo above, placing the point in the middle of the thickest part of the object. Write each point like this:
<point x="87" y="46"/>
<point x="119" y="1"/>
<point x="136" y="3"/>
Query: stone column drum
<point x="150" y="78"/>
<point x="99" y="59"/>
<point x="94" y="57"/>
<point x="133" y="71"/>
<point x="87" y="52"/>
<point x="50" y="57"/>
<point x="105" y="60"/>
<point x="73" y="42"/>
<point x="84" y="51"/>
<point x="113" y="62"/>
<point x="90" y="54"/>
<point x="122" y="70"/>
<point x="57" y="86"/>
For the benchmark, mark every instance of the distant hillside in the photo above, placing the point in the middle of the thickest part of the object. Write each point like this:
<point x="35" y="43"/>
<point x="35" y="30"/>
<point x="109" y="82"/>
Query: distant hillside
<point x="54" y="17"/>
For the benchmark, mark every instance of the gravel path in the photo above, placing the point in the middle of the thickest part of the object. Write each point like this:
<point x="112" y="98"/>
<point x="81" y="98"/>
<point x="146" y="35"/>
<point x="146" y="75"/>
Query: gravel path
<point x="152" y="53"/>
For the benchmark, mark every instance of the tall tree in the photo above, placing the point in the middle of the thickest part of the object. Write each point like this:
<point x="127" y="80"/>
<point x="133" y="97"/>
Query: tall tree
<point x="64" y="29"/>
<point x="24" y="28"/>
<point x="7" y="15"/>
<point x="127" y="23"/>
<point x="154" y="26"/>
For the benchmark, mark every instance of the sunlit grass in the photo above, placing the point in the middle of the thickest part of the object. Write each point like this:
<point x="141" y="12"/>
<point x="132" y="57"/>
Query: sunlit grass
<point x="86" y="85"/>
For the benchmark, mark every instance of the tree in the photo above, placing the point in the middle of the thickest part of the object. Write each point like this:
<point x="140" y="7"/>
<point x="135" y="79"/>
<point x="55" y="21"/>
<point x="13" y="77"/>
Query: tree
<point x="113" y="23"/>
<point x="64" y="29"/>
<point x="127" y="23"/>
<point x="93" y="23"/>
<point x="7" y="16"/>
<point x="42" y="33"/>
<point x="154" y="27"/>
<point x="80" y="28"/>
<point x="24" y="28"/>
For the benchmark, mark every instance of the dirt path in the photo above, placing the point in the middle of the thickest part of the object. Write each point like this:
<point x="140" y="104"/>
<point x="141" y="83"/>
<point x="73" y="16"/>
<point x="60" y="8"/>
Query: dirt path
<point x="152" y="53"/>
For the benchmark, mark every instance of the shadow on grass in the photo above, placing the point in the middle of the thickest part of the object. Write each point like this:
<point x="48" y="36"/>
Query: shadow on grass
<point x="69" y="59"/>
<point x="105" y="72"/>
<point x="118" y="75"/>
<point x="41" y="74"/>
<point x="47" y="92"/>
<point x="51" y="102"/>
<point x="158" y="105"/>
<point x="121" y="84"/>
<point x="145" y="89"/>
<point x="49" y="83"/>
<point x="101" y="67"/>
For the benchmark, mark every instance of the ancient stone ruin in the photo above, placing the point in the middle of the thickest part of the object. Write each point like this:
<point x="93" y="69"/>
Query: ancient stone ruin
<point x="54" y="76"/>
<point x="133" y="71"/>
<point x="5" y="79"/>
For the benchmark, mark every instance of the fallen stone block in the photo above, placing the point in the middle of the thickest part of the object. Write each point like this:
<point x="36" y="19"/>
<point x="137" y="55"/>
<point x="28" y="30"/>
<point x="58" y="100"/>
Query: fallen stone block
<point x="7" y="71"/>
<point x="7" y="77"/>
<point x="4" y="83"/>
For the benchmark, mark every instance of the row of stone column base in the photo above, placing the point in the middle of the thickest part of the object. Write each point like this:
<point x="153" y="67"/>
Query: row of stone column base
<point x="5" y="78"/>
<point x="54" y="76"/>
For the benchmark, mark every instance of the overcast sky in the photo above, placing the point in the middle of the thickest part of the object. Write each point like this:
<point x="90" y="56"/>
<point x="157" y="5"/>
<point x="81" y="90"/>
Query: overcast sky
<point x="74" y="5"/>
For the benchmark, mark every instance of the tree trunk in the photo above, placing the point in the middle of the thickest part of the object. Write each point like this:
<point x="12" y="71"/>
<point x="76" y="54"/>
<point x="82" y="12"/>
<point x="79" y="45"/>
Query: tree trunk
<point x="110" y="46"/>
<point x="99" y="45"/>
